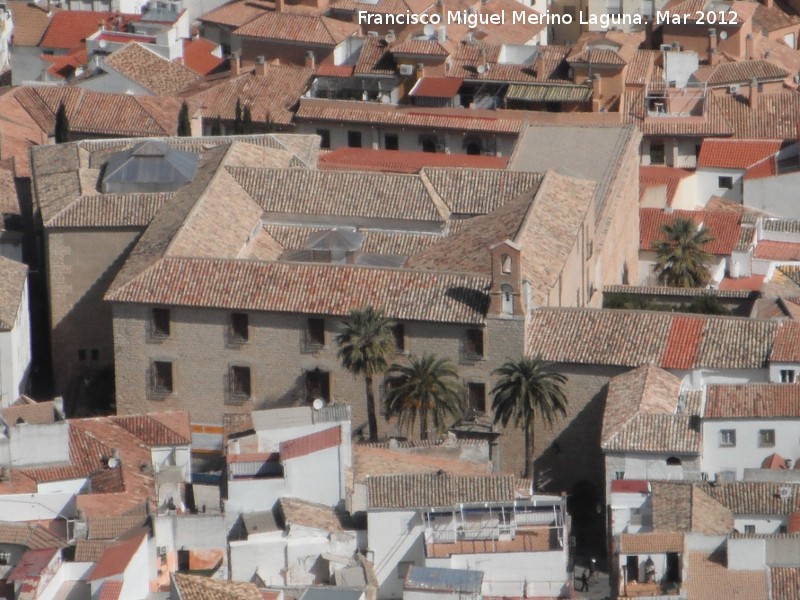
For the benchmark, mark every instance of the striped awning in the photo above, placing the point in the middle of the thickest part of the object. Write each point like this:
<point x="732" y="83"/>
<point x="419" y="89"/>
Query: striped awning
<point x="549" y="93"/>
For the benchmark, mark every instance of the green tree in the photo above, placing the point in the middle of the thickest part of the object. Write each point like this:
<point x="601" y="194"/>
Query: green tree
<point x="427" y="389"/>
<point x="366" y="341"/>
<point x="681" y="259"/>
<point x="62" y="131"/>
<point x="237" y="118"/>
<point x="247" y="121"/>
<point x="184" y="126"/>
<point x="528" y="387"/>
<point x="216" y="126"/>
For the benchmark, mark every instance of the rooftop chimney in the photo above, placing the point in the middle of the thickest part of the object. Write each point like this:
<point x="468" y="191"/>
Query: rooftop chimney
<point x="279" y="5"/>
<point x="712" y="46"/>
<point x="597" y="92"/>
<point x="311" y="61"/>
<point x="769" y="3"/>
<point x="749" y="44"/>
<point x="236" y="63"/>
<point x="753" y="101"/>
<point x="261" y="65"/>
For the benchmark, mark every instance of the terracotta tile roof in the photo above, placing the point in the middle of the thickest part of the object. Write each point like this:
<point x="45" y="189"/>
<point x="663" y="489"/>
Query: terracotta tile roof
<point x="31" y="564"/>
<point x="736" y="153"/>
<point x="634" y="338"/>
<point x="109" y="210"/>
<point x="765" y="168"/>
<point x="781" y="225"/>
<point x="198" y="56"/>
<point x="476" y="191"/>
<point x="310" y="514"/>
<point x="775" y="117"/>
<point x="640" y="67"/>
<point x="341" y="194"/>
<point x="375" y="58"/>
<point x="709" y="579"/>
<point x="298" y="28"/>
<point x="630" y="486"/>
<point x="725" y="227"/>
<point x="306" y="289"/>
<point x="30" y="535"/>
<point x="369" y="461"/>
<point x="311" y="443"/>
<point x="91" y="550"/>
<point x="436" y="87"/>
<point x="150" y="70"/>
<point x="294" y="237"/>
<point x="729" y="73"/>
<point x="36" y="413"/>
<point x="403" y="161"/>
<point x="13" y="278"/>
<point x="682" y="506"/>
<point x="30" y="22"/>
<point x="195" y="587"/>
<point x="787" y="344"/>
<point x="116" y="558"/>
<point x="334" y="71"/>
<point x="668" y="177"/>
<point x="111" y="589"/>
<point x="271" y="97"/>
<point x="153" y="432"/>
<point x="650" y="543"/>
<point x="437" y="490"/>
<point x="772" y="250"/>
<point x="784" y="583"/>
<point x="236" y="14"/>
<point x="752" y="401"/>
<point x="548" y="65"/>
<point x="754" y="498"/>
<point x="420" y="48"/>
<point x="69" y="28"/>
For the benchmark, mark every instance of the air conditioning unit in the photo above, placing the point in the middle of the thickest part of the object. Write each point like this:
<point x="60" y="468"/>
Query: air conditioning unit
<point x="665" y="47"/>
<point x="406" y="69"/>
<point x="162" y="550"/>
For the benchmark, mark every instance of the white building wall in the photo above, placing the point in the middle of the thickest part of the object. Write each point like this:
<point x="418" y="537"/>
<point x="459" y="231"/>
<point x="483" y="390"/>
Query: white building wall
<point x="317" y="477"/>
<point x="265" y="554"/>
<point x="250" y="495"/>
<point x="37" y="507"/>
<point x="136" y="578"/>
<point x="659" y="561"/>
<point x="762" y="524"/>
<point x="630" y="513"/>
<point x="708" y="184"/>
<point x="173" y="456"/>
<point x="747" y="453"/>
<point x="774" y="195"/>
<point x="15" y="354"/>
<point x="67" y="571"/>
<point x="394" y="537"/>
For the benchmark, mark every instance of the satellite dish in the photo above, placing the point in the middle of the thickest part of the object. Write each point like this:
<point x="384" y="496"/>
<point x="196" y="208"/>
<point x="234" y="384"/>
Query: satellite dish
<point x="103" y="44"/>
<point x="318" y="404"/>
<point x="723" y="35"/>
<point x="428" y="30"/>
<point x="113" y="463"/>
<point x="481" y="69"/>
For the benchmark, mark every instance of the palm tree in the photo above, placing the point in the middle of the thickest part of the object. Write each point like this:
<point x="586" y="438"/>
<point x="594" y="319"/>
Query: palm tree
<point x="427" y="388"/>
<point x="365" y="343"/>
<point x="528" y="387"/>
<point x="682" y="260"/>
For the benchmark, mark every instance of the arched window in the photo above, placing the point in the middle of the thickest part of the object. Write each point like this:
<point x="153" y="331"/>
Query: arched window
<point x="508" y="304"/>
<point x="505" y="264"/>
<point x="673" y="461"/>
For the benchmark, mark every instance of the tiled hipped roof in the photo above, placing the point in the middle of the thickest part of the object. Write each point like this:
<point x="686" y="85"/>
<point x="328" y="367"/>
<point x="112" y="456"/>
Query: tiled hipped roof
<point x="437" y="490"/>
<point x="758" y="400"/>
<point x="322" y="289"/>
<point x="632" y="338"/>
<point x="144" y="67"/>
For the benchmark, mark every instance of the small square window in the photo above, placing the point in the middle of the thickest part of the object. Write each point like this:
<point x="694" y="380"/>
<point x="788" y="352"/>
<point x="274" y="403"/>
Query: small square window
<point x="162" y="377"/>
<point x="239" y="331"/>
<point x="315" y="333"/>
<point x="766" y="438"/>
<point x="81" y="354"/>
<point x="725" y="182"/>
<point x="403" y="568"/>
<point x="399" y="332"/>
<point x="657" y="154"/>
<point x="354" y="139"/>
<point x="95" y="354"/>
<point x="727" y="438"/>
<point x="159" y="323"/>
<point x="750" y="529"/>
<point x="474" y="343"/>
<point x="391" y="141"/>
<point x="476" y="397"/>
<point x="619" y="474"/>
<point x="240" y="382"/>
<point x="325" y="138"/>
<point x="788" y="376"/>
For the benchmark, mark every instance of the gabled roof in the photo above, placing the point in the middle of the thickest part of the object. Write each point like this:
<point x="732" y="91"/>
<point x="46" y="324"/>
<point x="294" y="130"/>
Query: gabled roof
<point x="752" y="401"/>
<point x="651" y="543"/>
<point x="437" y="490"/>
<point x="745" y="71"/>
<point x="710" y="579"/>
<point x="436" y="87"/>
<point x="30" y="535"/>
<point x="724" y="227"/>
<point x="307" y="29"/>
<point x="238" y="13"/>
<point x="151" y="71"/>
<point x="30" y="21"/>
<point x="69" y="28"/>
<point x="667" y="177"/>
<point x="403" y="161"/>
<point x="29" y="411"/>
<point x="668" y="340"/>
<point x="195" y="587"/>
<point x="735" y="153"/>
<point x="198" y="55"/>
<point x="294" y="511"/>
<point x="115" y="559"/>
<point x="13" y="278"/>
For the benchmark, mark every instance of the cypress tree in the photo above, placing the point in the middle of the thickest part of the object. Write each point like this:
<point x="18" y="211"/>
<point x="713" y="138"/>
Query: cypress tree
<point x="237" y="120"/>
<point x="62" y="132"/>
<point x="184" y="126"/>
<point x="247" y="121"/>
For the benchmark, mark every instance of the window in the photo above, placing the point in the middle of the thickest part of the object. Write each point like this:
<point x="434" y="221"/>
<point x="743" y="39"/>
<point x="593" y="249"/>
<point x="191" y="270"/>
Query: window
<point x="788" y="376"/>
<point x="391" y="141"/>
<point x="325" y="138"/>
<point x="505" y="264"/>
<point x="725" y="182"/>
<point x="399" y="332"/>
<point x="318" y="385"/>
<point x="162" y="377"/>
<point x="727" y="438"/>
<point x="95" y="354"/>
<point x="239" y="328"/>
<point x="159" y="323"/>
<point x="619" y="474"/>
<point x="402" y="568"/>
<point x="315" y="333"/>
<point x="473" y="343"/>
<point x="657" y="153"/>
<point x="766" y="438"/>
<point x="749" y="528"/>
<point x="81" y="354"/>
<point x="476" y="397"/>
<point x="354" y="139"/>
<point x="428" y="143"/>
<point x="240" y="382"/>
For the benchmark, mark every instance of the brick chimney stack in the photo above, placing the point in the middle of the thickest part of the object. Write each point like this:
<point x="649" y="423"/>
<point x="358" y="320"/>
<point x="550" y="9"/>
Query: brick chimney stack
<point x="311" y="61"/>
<point x="236" y="63"/>
<point x="597" y="92"/>
<point x="712" y="46"/>
<point x="753" y="99"/>
<point x="279" y="5"/>
<point x="749" y="47"/>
